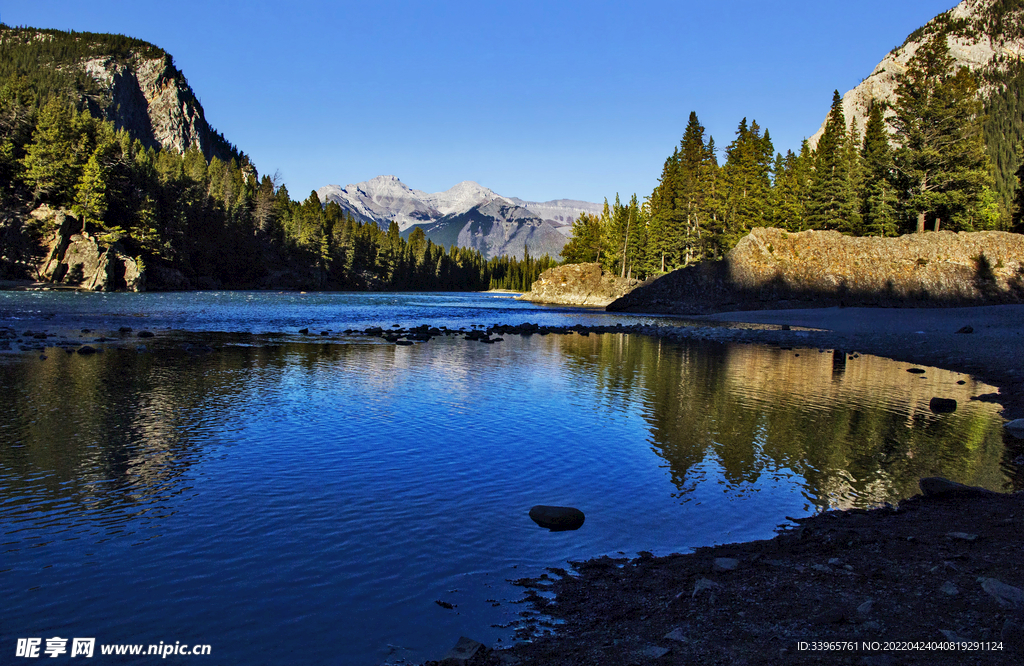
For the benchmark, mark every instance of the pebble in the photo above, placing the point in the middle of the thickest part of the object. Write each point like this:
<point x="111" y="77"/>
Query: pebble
<point x="949" y="589"/>
<point x="726" y="564"/>
<point x="1006" y="595"/>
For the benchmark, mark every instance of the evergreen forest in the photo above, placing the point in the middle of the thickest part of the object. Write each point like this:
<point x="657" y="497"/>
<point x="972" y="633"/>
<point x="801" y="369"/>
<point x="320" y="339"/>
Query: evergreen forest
<point x="210" y="218"/>
<point x="938" y="158"/>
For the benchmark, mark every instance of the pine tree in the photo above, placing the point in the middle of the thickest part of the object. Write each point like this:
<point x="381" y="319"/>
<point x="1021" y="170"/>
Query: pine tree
<point x="830" y="205"/>
<point x="941" y="165"/>
<point x="746" y="182"/>
<point x="878" y="207"/>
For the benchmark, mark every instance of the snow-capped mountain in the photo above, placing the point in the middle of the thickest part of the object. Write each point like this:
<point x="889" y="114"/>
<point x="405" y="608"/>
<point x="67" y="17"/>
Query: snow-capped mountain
<point x="467" y="215"/>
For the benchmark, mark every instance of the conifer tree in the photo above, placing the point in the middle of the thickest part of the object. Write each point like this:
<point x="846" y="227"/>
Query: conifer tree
<point x="830" y="204"/>
<point x="878" y="207"/>
<point x="941" y="165"/>
<point x="746" y="182"/>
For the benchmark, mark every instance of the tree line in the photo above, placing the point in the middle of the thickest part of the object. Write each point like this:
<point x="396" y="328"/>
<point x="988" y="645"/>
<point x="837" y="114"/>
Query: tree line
<point x="921" y="163"/>
<point x="212" y="219"/>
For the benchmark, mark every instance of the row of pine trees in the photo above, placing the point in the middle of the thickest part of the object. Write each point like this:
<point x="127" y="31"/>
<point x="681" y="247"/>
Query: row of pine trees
<point x="921" y="163"/>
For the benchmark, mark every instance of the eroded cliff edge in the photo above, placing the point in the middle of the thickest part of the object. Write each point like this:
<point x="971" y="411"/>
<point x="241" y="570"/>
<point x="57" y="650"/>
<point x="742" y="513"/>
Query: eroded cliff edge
<point x="772" y="268"/>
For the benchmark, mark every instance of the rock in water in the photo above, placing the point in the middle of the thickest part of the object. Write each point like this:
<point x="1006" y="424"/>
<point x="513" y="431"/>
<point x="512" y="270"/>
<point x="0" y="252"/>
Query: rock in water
<point x="1015" y="428"/>
<point x="942" y="405"/>
<point x="936" y="486"/>
<point x="557" y="518"/>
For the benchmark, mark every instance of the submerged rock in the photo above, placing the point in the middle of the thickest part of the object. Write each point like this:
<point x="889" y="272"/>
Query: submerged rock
<point x="557" y="518"/>
<point x="942" y="405"/>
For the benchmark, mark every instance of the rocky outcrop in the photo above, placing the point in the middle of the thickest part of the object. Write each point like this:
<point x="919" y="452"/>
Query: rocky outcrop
<point x="770" y="268"/>
<point x="580" y="285"/>
<point x="77" y="259"/>
<point x="973" y="43"/>
<point x="151" y="99"/>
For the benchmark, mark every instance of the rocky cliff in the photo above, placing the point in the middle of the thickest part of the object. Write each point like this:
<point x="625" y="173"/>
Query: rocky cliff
<point x="78" y="259"/>
<point x="127" y="81"/>
<point x="985" y="36"/>
<point x="770" y="268"/>
<point x="578" y="284"/>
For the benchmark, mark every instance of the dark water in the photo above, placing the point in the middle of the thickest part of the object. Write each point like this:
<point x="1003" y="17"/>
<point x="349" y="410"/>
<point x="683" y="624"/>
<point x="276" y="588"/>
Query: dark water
<point x="286" y="500"/>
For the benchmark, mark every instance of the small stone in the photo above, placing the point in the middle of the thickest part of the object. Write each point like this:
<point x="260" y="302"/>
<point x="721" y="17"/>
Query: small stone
<point x="916" y="371"/>
<point x="145" y="334"/>
<point x="444" y="604"/>
<point x="676" y="635"/>
<point x="726" y="564"/>
<point x="703" y="584"/>
<point x="835" y="561"/>
<point x="961" y="536"/>
<point x="1012" y="634"/>
<point x="464" y="650"/>
<point x="942" y="405"/>
<point x="949" y="589"/>
<point x="86" y="349"/>
<point x="966" y="329"/>
<point x="1015" y="428"/>
<point x="952" y="636"/>
<point x="125" y="329"/>
<point x="866" y="607"/>
<point x="557" y="518"/>
<point x="654" y="652"/>
<point x="1007" y="595"/>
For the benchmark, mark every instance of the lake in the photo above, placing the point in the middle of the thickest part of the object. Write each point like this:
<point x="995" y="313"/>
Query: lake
<point x="309" y="499"/>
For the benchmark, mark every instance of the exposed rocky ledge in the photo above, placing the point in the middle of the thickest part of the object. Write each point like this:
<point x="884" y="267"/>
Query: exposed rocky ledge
<point x="770" y="268"/>
<point x="578" y="284"/>
<point x="77" y="259"/>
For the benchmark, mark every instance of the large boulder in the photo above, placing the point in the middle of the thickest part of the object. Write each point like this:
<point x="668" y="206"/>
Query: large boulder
<point x="578" y="284"/>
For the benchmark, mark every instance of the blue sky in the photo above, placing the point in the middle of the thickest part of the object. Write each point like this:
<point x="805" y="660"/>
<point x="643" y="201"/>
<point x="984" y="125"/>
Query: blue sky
<point x="539" y="100"/>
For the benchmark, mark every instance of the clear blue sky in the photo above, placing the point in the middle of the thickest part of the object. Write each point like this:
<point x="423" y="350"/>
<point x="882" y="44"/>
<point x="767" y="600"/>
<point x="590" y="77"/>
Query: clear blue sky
<point x="539" y="100"/>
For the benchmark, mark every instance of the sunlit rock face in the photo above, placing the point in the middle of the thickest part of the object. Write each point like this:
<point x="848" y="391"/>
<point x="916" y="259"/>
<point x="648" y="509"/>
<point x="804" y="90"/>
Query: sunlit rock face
<point x="578" y="284"/>
<point x="973" y="42"/>
<point x="771" y="268"/>
<point x="151" y="99"/>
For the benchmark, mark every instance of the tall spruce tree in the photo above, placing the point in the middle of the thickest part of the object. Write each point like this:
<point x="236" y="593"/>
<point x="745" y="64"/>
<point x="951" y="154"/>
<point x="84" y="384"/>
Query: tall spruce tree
<point x="746" y="183"/>
<point x="830" y="205"/>
<point x="940" y="161"/>
<point x="878" y="203"/>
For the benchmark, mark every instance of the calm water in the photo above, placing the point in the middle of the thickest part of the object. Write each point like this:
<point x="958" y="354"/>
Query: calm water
<point x="288" y="500"/>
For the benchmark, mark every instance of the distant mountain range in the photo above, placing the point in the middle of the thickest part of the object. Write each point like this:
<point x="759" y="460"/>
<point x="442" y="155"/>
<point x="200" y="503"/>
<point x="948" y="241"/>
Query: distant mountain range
<point x="467" y="215"/>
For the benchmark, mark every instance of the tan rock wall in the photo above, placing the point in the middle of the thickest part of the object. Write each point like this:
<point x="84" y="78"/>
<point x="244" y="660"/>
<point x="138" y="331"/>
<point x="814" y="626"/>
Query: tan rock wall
<point x="772" y="268"/>
<point x="579" y="285"/>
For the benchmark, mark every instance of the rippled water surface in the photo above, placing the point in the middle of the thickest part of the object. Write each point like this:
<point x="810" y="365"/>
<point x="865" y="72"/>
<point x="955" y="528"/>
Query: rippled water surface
<point x="291" y="500"/>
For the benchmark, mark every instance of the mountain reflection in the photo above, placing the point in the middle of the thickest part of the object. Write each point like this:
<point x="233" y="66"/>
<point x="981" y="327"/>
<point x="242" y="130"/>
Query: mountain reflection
<point x="858" y="430"/>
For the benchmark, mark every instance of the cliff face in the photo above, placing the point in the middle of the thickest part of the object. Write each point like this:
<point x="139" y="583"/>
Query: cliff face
<point x="983" y="35"/>
<point x="770" y="268"/>
<point x="151" y="99"/>
<point x="578" y="284"/>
